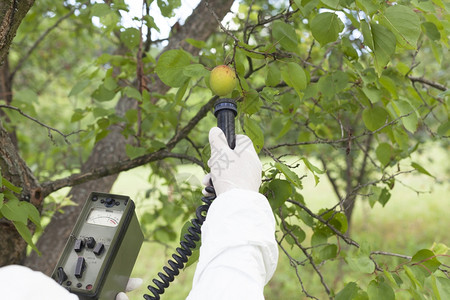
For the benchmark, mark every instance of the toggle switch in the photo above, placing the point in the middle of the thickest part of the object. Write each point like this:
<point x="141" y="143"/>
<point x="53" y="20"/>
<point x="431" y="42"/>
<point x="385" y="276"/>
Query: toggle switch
<point x="78" y="245"/>
<point x="79" y="268"/>
<point x="99" y="249"/>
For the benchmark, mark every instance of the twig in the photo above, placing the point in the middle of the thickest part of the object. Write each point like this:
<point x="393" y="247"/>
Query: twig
<point x="294" y="263"/>
<point x="428" y="82"/>
<point x="390" y="254"/>
<point x="325" y="222"/>
<point x="342" y="140"/>
<point x="311" y="260"/>
<point x="49" y="129"/>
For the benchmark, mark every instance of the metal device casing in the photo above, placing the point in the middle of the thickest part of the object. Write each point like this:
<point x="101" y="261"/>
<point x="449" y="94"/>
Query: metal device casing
<point x="105" y="274"/>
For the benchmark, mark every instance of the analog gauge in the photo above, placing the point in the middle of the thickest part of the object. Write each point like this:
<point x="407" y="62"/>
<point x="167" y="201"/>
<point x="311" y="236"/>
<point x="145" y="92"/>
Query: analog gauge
<point x="104" y="217"/>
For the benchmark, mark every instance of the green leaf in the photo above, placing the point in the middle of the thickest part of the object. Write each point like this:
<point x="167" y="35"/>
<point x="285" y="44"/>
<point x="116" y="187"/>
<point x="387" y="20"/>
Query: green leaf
<point x="327" y="252"/>
<point x="326" y="27"/>
<point x="384" y="153"/>
<point x="79" y="87"/>
<point x="404" y="23"/>
<point x="412" y="277"/>
<point x="403" y="108"/>
<point x="372" y="93"/>
<point x="333" y="83"/>
<point x="254" y="132"/>
<point x="150" y="22"/>
<point x="295" y="77"/>
<point x="421" y="169"/>
<point x="103" y="94"/>
<point x="285" y="35"/>
<point x="170" y="67"/>
<point x="196" y="43"/>
<point x="427" y="260"/>
<point x="385" y="195"/>
<point x="132" y="92"/>
<point x="367" y="34"/>
<point x="7" y="184"/>
<point x="32" y="212"/>
<point x="290" y="175"/>
<point x="444" y="129"/>
<point x="167" y="7"/>
<point x="369" y="6"/>
<point x="181" y="91"/>
<point x="348" y="292"/>
<point x="279" y="191"/>
<point x="133" y="152"/>
<point x="25" y="233"/>
<point x="100" y="10"/>
<point x="2" y="199"/>
<point x="130" y="37"/>
<point x="315" y="170"/>
<point x="318" y="238"/>
<point x="383" y="45"/>
<point x="361" y="264"/>
<point x="374" y="117"/>
<point x="273" y="75"/>
<point x="195" y="70"/>
<point x="380" y="291"/>
<point x="431" y="31"/>
<point x="443" y="286"/>
<point x="13" y="212"/>
<point x="251" y="103"/>
<point x="78" y="114"/>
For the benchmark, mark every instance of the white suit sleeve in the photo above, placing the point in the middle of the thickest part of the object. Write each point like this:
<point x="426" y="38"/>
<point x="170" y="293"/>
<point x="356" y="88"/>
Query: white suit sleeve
<point x="21" y="283"/>
<point x="239" y="253"/>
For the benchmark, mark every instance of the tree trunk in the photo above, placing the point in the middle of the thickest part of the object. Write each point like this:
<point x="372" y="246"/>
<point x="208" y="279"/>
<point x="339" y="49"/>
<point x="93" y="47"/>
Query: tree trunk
<point x="200" y="25"/>
<point x="14" y="169"/>
<point x="12" y="13"/>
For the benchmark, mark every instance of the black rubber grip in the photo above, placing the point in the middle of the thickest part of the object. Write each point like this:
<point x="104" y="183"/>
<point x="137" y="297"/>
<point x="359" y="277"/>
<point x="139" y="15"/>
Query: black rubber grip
<point x="225" y="111"/>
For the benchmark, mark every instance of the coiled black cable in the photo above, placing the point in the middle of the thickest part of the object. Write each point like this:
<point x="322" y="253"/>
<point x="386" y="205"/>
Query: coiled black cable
<point x="187" y="245"/>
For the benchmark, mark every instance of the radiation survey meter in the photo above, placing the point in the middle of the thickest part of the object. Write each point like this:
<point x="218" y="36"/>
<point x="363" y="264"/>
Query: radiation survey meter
<point x="100" y="253"/>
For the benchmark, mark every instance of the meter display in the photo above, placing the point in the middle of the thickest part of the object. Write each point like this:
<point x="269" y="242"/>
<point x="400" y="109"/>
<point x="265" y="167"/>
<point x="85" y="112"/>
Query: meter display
<point x="104" y="217"/>
<point x="99" y="256"/>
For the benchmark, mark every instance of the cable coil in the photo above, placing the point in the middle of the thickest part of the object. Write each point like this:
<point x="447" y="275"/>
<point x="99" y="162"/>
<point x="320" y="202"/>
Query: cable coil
<point x="183" y="252"/>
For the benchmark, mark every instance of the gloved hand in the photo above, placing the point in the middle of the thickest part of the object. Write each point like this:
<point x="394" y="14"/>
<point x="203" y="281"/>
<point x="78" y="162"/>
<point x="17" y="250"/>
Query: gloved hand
<point x="133" y="283"/>
<point x="238" y="168"/>
<point x="20" y="282"/>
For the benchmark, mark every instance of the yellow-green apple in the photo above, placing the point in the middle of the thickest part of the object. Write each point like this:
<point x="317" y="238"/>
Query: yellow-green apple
<point x="222" y="80"/>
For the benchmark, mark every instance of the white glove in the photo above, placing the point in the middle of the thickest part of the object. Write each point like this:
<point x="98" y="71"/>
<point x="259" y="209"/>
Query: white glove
<point x="19" y="282"/>
<point x="133" y="283"/>
<point x="233" y="169"/>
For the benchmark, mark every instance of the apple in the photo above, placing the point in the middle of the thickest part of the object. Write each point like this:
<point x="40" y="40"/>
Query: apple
<point x="222" y="80"/>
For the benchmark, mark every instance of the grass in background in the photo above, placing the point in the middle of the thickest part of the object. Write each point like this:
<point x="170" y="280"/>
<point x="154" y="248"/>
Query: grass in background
<point x="409" y="222"/>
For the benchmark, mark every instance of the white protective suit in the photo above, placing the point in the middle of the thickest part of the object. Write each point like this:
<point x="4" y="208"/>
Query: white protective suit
<point x="239" y="252"/>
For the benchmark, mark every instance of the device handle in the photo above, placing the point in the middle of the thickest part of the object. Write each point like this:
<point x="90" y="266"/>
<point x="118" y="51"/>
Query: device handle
<point x="225" y="111"/>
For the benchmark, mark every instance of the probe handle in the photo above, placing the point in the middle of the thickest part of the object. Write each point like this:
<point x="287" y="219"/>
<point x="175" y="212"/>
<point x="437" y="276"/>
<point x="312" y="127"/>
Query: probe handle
<point x="225" y="111"/>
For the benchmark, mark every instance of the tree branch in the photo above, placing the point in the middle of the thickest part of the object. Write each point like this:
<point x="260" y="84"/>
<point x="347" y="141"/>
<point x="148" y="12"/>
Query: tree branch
<point x="124" y="165"/>
<point x="49" y="129"/>
<point x="428" y="82"/>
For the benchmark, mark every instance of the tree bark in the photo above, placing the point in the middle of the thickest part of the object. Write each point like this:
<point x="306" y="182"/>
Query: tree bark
<point x="12" y="246"/>
<point x="12" y="13"/>
<point x="200" y="25"/>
